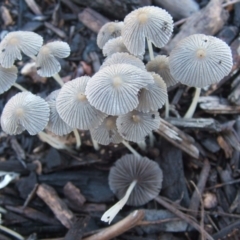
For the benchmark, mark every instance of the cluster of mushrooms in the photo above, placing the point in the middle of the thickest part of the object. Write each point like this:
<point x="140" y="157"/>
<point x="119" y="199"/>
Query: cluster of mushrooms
<point x="121" y="101"/>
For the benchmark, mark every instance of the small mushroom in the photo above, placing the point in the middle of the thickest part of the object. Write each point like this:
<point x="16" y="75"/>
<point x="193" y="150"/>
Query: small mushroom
<point x="200" y="60"/>
<point x="150" y="22"/>
<point x="107" y="132"/>
<point x="114" y="89"/>
<point x="15" y="42"/>
<point x="8" y="77"/>
<point x="160" y="65"/>
<point x="135" y="126"/>
<point x="74" y="108"/>
<point x="108" y="31"/>
<point x="121" y="58"/>
<point x="46" y="62"/>
<point x="25" y="111"/>
<point x="135" y="181"/>
<point x="56" y="125"/>
<point x="153" y="96"/>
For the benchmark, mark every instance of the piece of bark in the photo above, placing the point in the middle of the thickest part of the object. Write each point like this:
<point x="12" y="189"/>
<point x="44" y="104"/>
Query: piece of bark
<point x="197" y="194"/>
<point x="16" y="166"/>
<point x="92" y="19"/>
<point x="56" y="30"/>
<point x="204" y="124"/>
<point x="236" y="18"/>
<point x="228" y="34"/>
<point x="74" y="195"/>
<point x="59" y="208"/>
<point x="34" y="7"/>
<point x="6" y="17"/>
<point x="208" y="20"/>
<point x="225" y="146"/>
<point x="178" y="138"/>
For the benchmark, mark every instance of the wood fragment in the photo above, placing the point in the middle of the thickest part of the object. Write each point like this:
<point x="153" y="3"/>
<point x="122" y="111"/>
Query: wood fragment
<point x="56" y="30"/>
<point x="6" y="17"/>
<point x="33" y="6"/>
<point x="58" y="206"/>
<point x="92" y="19"/>
<point x="225" y="146"/>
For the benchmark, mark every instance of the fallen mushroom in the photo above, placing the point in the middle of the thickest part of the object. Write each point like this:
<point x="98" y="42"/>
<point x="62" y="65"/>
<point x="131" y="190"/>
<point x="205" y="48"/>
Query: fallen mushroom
<point x="8" y="77"/>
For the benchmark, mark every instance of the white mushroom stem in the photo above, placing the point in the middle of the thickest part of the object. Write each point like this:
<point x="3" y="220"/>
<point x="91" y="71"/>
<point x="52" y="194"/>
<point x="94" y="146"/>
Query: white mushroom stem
<point x="58" y="79"/>
<point x="167" y="108"/>
<point x="142" y="145"/>
<point x="151" y="139"/>
<point x="193" y="105"/>
<point x="78" y="138"/>
<point x="18" y="86"/>
<point x="110" y="214"/>
<point x="12" y="233"/>
<point x="95" y="143"/>
<point x="131" y="149"/>
<point x="150" y="49"/>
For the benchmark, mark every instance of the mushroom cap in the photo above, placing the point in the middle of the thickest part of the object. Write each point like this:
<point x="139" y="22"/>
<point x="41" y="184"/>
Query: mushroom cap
<point x="120" y="58"/>
<point x="135" y="126"/>
<point x="114" y="89"/>
<point x="113" y="46"/>
<point x="56" y="125"/>
<point x="200" y="60"/>
<point x="74" y="108"/>
<point x="46" y="62"/>
<point x="15" y="42"/>
<point x="150" y="22"/>
<point x="153" y="96"/>
<point x="129" y="168"/>
<point x="160" y="65"/>
<point x="25" y="111"/>
<point x="108" y="31"/>
<point x="8" y="77"/>
<point x="107" y="132"/>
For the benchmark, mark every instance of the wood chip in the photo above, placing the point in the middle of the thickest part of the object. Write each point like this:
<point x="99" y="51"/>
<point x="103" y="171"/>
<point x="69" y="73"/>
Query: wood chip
<point x="6" y="17"/>
<point x="34" y="7"/>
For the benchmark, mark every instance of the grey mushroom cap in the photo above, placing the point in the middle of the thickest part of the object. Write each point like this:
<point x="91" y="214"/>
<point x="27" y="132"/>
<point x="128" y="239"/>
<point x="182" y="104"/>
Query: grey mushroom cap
<point x="135" y="126"/>
<point x="16" y="42"/>
<point x="74" y="108"/>
<point x="123" y="58"/>
<point x="8" y="77"/>
<point x="46" y="62"/>
<point x="56" y="125"/>
<point x="114" y="89"/>
<point x="160" y="65"/>
<point x="107" y="132"/>
<point x="150" y="22"/>
<point x="25" y="111"/>
<point x="153" y="96"/>
<point x="200" y="60"/>
<point x="108" y="31"/>
<point x="129" y="168"/>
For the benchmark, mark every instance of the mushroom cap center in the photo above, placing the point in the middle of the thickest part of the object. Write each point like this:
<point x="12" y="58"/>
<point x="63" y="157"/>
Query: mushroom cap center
<point x="136" y="118"/>
<point x="142" y="18"/>
<point x="163" y="65"/>
<point x="110" y="123"/>
<point x="111" y="28"/>
<point x="45" y="50"/>
<point x="81" y="97"/>
<point x="13" y="41"/>
<point x="201" y="53"/>
<point x="117" y="81"/>
<point x="19" y="112"/>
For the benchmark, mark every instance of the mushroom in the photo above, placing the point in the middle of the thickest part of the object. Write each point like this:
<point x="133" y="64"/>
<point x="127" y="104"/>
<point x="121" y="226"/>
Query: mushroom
<point x="8" y="77"/>
<point x="153" y="96"/>
<point x="135" y="181"/>
<point x="149" y="22"/>
<point x="121" y="58"/>
<point x="135" y="126"/>
<point x="200" y="60"/>
<point x="114" y="89"/>
<point x="46" y="62"/>
<point x="108" y="31"/>
<point x="55" y="124"/>
<point x="15" y="42"/>
<point x="25" y="111"/>
<point x="74" y="107"/>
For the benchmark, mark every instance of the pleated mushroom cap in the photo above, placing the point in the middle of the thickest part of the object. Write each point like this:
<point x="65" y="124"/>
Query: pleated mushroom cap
<point x="160" y="65"/>
<point x="8" y="77"/>
<point x="200" y="60"/>
<point x="153" y="96"/>
<point x="46" y="63"/>
<point x="25" y="111"/>
<point x="135" y="126"/>
<point x="113" y="46"/>
<point x="150" y="22"/>
<point x="107" y="132"/>
<point x="108" y="31"/>
<point x="119" y="58"/>
<point x="129" y="168"/>
<point x="56" y="125"/>
<point x="15" y="42"/>
<point x="114" y="89"/>
<point x="74" y="108"/>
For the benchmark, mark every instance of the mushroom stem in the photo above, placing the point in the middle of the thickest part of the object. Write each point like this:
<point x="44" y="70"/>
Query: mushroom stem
<point x="58" y="79"/>
<point x="193" y="105"/>
<point x="110" y="214"/>
<point x="150" y="49"/>
<point x="95" y="143"/>
<point x="131" y="149"/>
<point x="151" y="139"/>
<point x="18" y="86"/>
<point x="167" y="108"/>
<point x="12" y="233"/>
<point x="142" y="145"/>
<point x="78" y="138"/>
